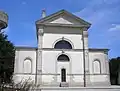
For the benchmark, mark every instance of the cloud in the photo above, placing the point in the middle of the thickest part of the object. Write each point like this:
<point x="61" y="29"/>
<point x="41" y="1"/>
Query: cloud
<point x="104" y="17"/>
<point x="101" y="15"/>
<point x="98" y="11"/>
<point x="115" y="27"/>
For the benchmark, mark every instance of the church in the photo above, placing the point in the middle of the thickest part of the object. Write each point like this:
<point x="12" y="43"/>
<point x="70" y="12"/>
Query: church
<point x="62" y="57"/>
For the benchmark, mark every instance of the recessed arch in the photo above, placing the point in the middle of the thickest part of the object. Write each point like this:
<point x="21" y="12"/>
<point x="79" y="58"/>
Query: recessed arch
<point x="96" y="66"/>
<point x="27" y="65"/>
<point x="63" y="43"/>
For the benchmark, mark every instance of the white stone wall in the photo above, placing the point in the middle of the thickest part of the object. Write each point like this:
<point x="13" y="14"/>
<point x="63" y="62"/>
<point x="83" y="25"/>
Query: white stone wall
<point x="52" y="66"/>
<point x="103" y="76"/>
<point x="75" y="66"/>
<point x="21" y="56"/>
<point x="50" y="39"/>
<point x="99" y="55"/>
<point x="49" y="58"/>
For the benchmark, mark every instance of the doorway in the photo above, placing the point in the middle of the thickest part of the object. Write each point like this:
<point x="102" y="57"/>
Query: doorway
<point x="63" y="75"/>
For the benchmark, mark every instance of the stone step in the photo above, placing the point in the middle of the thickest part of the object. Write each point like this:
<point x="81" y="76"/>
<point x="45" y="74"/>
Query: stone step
<point x="64" y="84"/>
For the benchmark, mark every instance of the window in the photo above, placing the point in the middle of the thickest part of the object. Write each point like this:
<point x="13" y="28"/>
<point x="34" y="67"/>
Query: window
<point x="27" y="66"/>
<point x="96" y="67"/>
<point x="63" y="44"/>
<point x="63" y="58"/>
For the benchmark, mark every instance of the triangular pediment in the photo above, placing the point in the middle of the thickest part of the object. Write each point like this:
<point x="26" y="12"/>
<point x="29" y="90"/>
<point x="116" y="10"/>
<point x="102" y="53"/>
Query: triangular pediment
<point x="61" y="20"/>
<point x="63" y="17"/>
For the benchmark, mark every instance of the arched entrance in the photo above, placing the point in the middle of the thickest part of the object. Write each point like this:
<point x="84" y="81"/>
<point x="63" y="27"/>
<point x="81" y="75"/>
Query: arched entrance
<point x="63" y="62"/>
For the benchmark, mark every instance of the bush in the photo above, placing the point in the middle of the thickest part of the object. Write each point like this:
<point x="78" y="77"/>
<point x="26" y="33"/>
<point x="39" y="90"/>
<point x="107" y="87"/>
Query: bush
<point x="21" y="86"/>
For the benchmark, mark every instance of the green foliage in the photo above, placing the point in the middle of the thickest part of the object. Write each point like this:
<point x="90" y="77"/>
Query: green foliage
<point x="7" y="54"/>
<point x="114" y="66"/>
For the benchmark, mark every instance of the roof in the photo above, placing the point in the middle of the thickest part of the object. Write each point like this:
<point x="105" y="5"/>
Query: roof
<point x="63" y="12"/>
<point x="25" y="47"/>
<point x="98" y="49"/>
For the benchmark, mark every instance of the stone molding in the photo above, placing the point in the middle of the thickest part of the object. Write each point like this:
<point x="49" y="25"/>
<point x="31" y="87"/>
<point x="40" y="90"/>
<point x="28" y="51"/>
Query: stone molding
<point x="35" y="48"/>
<point x="57" y="74"/>
<point x="62" y="25"/>
<point x="95" y="88"/>
<point x="76" y="50"/>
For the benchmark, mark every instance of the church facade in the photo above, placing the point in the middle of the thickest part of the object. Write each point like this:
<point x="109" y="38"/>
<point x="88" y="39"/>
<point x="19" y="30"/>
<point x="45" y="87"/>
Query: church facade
<point x="62" y="57"/>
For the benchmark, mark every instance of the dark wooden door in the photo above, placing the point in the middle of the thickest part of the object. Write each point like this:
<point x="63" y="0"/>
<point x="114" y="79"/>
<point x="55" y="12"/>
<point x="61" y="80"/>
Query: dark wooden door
<point x="63" y="75"/>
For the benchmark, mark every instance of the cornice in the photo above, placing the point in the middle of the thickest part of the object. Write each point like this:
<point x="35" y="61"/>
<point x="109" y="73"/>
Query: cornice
<point x="61" y="25"/>
<point x="52" y="49"/>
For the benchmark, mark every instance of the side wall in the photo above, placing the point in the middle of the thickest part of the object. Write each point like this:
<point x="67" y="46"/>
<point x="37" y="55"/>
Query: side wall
<point x="101" y="58"/>
<point x="21" y="56"/>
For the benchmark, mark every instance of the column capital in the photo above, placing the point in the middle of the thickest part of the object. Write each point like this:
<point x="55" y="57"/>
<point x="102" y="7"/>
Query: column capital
<point x="40" y="32"/>
<point x="85" y="33"/>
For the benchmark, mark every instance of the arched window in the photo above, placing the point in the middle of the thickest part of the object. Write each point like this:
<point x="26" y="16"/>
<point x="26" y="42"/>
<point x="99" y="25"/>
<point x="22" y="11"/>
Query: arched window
<point x="96" y="67"/>
<point x="27" y="65"/>
<point x="63" y="44"/>
<point x="63" y="58"/>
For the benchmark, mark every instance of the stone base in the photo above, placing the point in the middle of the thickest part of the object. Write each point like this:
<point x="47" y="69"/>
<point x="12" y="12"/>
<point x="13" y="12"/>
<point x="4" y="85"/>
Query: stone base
<point x="108" y="88"/>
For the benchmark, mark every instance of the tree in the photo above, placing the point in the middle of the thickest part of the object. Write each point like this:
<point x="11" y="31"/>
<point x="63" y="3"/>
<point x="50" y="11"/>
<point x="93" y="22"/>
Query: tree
<point x="7" y="54"/>
<point x="114" y="66"/>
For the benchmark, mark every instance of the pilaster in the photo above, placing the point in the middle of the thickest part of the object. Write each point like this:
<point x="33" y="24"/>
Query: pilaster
<point x="107" y="67"/>
<point x="86" y="56"/>
<point x="39" y="57"/>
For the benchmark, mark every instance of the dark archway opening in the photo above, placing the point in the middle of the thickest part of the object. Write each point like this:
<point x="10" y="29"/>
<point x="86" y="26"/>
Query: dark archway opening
<point x="63" y="58"/>
<point x="63" y="44"/>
